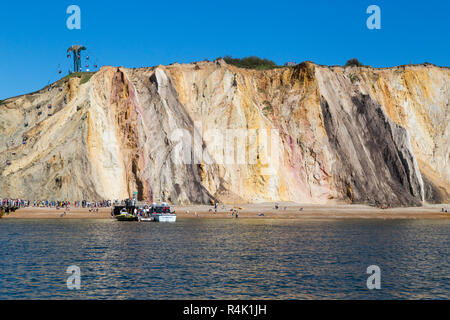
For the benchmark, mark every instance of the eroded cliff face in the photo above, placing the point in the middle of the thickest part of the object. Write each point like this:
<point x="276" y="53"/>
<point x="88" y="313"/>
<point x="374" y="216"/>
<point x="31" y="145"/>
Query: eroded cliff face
<point x="207" y="131"/>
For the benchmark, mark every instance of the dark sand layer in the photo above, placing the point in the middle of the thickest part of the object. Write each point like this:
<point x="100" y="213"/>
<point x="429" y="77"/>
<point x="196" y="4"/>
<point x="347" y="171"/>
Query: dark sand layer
<point x="259" y="211"/>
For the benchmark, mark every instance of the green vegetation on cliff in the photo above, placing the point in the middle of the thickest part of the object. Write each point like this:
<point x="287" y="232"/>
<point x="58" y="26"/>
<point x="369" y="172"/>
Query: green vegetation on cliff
<point x="85" y="76"/>
<point x="251" y="63"/>
<point x="354" y="63"/>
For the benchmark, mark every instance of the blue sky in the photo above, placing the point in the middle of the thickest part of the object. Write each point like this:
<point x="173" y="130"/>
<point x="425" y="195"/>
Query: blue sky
<point x="34" y="36"/>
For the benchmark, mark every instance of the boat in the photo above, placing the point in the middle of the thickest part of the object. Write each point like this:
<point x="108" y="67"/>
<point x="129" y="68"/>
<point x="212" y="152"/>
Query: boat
<point x="144" y="213"/>
<point x="165" y="217"/>
<point x="125" y="216"/>
<point x="161" y="213"/>
<point x="144" y="219"/>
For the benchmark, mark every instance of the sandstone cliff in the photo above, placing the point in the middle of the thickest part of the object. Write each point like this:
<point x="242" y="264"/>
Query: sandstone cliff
<point x="307" y="133"/>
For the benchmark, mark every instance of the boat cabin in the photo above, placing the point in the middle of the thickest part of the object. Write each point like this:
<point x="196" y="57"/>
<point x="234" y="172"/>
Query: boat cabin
<point x="160" y="209"/>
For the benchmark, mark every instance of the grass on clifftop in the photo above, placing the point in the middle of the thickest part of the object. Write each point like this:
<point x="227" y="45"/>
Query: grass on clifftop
<point x="251" y="63"/>
<point x="85" y="76"/>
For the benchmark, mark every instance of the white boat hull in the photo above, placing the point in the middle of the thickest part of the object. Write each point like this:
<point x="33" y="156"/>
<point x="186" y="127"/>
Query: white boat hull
<point x="146" y="219"/>
<point x="165" y="217"/>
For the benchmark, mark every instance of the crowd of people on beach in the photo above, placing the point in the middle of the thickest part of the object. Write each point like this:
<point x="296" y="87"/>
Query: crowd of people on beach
<point x="14" y="203"/>
<point x="59" y="204"/>
<point x="20" y="203"/>
<point x="93" y="206"/>
<point x="76" y="204"/>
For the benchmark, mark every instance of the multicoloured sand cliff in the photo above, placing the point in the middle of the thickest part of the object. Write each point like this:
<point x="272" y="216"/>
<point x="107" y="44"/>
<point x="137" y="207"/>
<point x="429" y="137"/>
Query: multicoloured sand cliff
<point x="307" y="133"/>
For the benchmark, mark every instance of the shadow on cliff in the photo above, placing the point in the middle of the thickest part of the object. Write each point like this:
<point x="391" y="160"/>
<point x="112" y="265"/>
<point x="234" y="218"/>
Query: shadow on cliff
<point x="375" y="163"/>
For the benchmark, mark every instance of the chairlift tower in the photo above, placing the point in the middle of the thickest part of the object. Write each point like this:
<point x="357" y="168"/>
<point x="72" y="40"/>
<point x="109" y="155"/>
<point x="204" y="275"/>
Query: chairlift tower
<point x="75" y="50"/>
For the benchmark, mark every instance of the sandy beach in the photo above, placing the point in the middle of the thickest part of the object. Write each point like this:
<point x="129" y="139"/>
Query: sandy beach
<point x="254" y="211"/>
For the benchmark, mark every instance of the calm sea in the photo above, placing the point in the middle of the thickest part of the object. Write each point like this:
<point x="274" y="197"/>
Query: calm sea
<point x="225" y="259"/>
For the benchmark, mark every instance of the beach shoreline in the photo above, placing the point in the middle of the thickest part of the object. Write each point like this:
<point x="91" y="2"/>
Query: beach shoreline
<point x="255" y="211"/>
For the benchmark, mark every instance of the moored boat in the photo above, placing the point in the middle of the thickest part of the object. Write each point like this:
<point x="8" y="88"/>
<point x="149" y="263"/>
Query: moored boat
<point x="125" y="216"/>
<point x="144" y="219"/>
<point x="144" y="213"/>
<point x="165" y="217"/>
<point x="161" y="213"/>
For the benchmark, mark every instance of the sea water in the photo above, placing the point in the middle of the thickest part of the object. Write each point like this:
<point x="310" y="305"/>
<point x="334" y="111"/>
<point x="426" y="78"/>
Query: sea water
<point x="224" y="259"/>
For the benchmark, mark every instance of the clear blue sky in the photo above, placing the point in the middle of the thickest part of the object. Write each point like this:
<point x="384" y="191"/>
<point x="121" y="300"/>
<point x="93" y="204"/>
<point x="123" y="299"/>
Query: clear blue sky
<point x="132" y="33"/>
